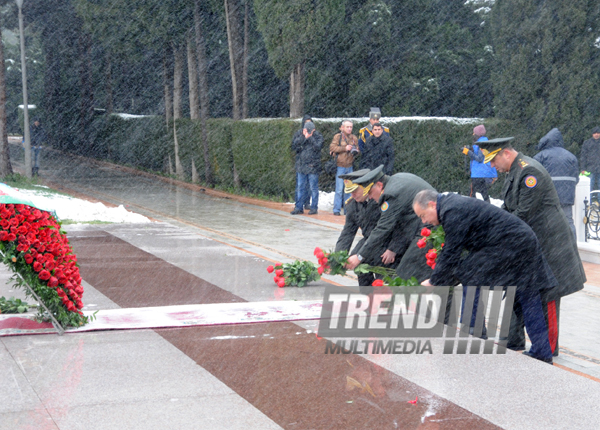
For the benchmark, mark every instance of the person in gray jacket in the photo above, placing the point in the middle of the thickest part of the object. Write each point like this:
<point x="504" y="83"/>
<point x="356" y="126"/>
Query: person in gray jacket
<point x="589" y="159"/>
<point x="563" y="168"/>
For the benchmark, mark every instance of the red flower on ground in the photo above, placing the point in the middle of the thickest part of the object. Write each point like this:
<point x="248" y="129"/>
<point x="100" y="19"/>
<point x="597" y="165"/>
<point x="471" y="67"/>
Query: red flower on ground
<point x="270" y="269"/>
<point x="281" y="283"/>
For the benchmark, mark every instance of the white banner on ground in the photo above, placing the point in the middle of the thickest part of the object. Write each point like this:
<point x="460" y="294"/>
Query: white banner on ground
<point x="175" y="316"/>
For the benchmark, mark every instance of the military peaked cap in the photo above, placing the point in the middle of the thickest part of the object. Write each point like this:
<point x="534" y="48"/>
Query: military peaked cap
<point x="491" y="148"/>
<point x="370" y="177"/>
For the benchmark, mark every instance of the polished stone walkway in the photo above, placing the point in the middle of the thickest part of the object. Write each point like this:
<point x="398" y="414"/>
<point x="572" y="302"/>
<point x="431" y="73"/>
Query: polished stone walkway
<point x="212" y="249"/>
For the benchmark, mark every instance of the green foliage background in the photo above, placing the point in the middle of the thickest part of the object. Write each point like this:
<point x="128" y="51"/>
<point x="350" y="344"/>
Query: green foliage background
<point x="254" y="156"/>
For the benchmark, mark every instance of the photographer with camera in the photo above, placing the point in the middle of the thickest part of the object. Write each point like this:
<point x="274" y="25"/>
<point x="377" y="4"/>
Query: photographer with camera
<point x="344" y="147"/>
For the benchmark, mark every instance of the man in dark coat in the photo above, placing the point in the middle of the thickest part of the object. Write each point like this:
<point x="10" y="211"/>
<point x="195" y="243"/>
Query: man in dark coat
<point x="563" y="169"/>
<point x="38" y="138"/>
<point x="530" y="194"/>
<point x="501" y="250"/>
<point x="307" y="147"/>
<point x="398" y="223"/>
<point x="362" y="213"/>
<point x="589" y="159"/>
<point x="379" y="149"/>
<point x="298" y="135"/>
<point x="366" y="131"/>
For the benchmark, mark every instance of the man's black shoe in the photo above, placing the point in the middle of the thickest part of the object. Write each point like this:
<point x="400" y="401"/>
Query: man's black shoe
<point x="297" y="212"/>
<point x="336" y="213"/>
<point x="545" y="360"/>
<point x="312" y="212"/>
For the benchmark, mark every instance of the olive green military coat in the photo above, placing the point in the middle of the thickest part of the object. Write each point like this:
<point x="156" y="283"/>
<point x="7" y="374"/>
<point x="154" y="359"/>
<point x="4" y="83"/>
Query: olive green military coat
<point x="530" y="194"/>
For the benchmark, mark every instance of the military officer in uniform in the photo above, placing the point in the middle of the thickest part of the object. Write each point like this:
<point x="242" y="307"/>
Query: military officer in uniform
<point x="363" y="213"/>
<point x="367" y="131"/>
<point x="397" y="224"/>
<point x="529" y="194"/>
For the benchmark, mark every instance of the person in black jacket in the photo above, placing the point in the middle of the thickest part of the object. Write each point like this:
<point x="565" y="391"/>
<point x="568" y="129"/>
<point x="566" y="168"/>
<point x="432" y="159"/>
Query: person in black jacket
<point x="486" y="246"/>
<point x="563" y="169"/>
<point x="307" y="146"/>
<point x="589" y="159"/>
<point x="379" y="149"/>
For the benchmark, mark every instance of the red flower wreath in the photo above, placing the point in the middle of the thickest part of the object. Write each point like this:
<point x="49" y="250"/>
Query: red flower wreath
<point x="35" y="247"/>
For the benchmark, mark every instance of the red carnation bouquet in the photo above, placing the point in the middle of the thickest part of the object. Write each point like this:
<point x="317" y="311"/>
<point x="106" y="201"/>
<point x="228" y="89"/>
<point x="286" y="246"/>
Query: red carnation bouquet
<point x="435" y="238"/>
<point x="299" y="273"/>
<point x="36" y="249"/>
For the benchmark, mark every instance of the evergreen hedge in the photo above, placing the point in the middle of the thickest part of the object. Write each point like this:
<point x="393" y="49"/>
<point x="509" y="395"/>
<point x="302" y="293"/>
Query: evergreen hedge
<point x="255" y="155"/>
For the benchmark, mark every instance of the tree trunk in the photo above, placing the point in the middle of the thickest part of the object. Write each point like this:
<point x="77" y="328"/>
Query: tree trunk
<point x="203" y="88"/>
<point x="178" y="166"/>
<point x="86" y="113"/>
<point x="236" y="51"/>
<point x="192" y="77"/>
<point x="297" y="91"/>
<point x="168" y="94"/>
<point x="177" y="81"/>
<point x="108" y="86"/>
<point x="5" y="166"/>
<point x="245" y="70"/>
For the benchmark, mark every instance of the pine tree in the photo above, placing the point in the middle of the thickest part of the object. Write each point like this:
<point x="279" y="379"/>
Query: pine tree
<point x="547" y="65"/>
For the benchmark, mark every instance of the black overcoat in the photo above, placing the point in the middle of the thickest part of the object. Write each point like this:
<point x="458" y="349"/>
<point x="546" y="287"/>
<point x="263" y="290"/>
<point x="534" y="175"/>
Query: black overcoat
<point x="308" y="152"/>
<point x="378" y="151"/>
<point x="530" y="195"/>
<point x="486" y="246"/>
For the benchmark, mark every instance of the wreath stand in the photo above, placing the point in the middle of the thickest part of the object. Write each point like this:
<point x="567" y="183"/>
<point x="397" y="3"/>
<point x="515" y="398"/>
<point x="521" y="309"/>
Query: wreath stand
<point x="60" y="330"/>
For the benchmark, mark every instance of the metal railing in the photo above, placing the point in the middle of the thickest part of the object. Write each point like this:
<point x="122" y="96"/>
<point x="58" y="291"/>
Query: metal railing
<point x="591" y="218"/>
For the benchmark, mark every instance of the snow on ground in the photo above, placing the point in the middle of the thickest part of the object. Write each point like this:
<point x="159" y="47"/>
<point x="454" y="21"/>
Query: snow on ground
<point x="326" y="201"/>
<point x="386" y="119"/>
<point x="77" y="210"/>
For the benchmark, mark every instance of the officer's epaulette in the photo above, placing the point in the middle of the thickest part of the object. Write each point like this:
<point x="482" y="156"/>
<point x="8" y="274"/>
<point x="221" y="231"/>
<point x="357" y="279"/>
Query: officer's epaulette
<point x="386" y="129"/>
<point x="524" y="163"/>
<point x="364" y="131"/>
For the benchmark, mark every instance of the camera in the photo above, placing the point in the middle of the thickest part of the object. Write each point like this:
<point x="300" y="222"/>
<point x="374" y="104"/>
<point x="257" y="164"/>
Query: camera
<point x="354" y="150"/>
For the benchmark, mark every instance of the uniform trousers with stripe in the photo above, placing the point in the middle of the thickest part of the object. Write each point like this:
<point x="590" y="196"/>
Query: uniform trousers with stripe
<point x="516" y="336"/>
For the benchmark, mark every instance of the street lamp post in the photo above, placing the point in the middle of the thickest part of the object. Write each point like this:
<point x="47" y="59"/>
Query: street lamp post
<point x="26" y="137"/>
